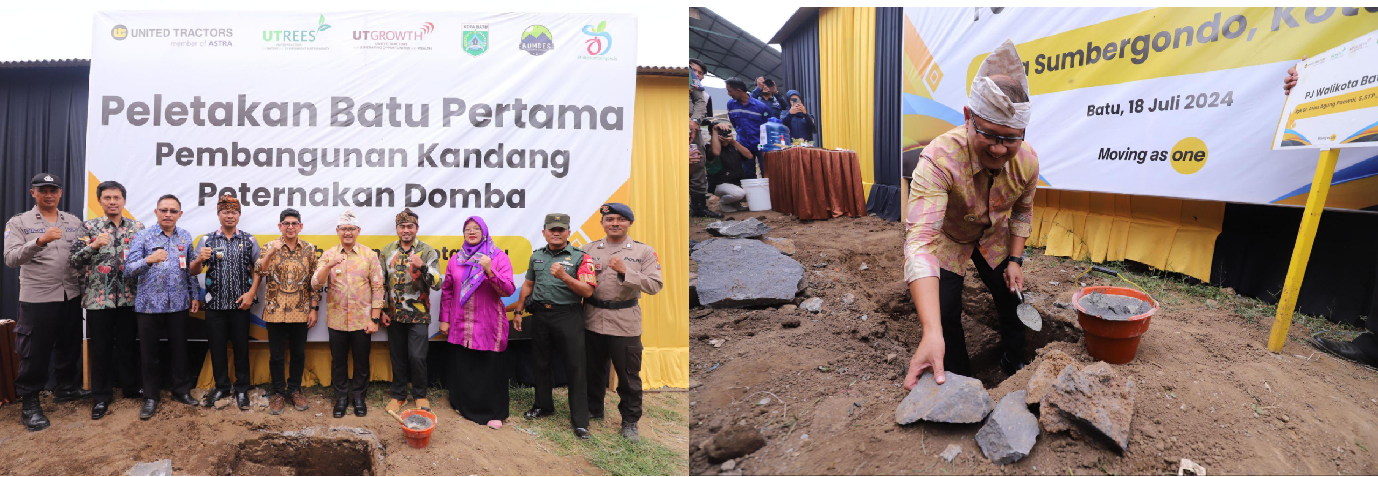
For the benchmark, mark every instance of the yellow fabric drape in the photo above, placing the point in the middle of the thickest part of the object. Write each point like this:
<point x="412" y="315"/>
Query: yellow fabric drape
<point x="847" y="77"/>
<point x="657" y="194"/>
<point x="659" y="197"/>
<point x="1169" y="234"/>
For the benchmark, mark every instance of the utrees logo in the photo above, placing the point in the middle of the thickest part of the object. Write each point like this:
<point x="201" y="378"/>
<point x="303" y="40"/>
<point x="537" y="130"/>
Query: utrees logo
<point x="296" y="36"/>
<point x="600" y="42"/>
<point x="537" y="40"/>
<point x="475" y="38"/>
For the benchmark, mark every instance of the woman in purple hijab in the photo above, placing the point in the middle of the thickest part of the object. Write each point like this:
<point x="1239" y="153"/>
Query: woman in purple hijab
<point x="473" y="317"/>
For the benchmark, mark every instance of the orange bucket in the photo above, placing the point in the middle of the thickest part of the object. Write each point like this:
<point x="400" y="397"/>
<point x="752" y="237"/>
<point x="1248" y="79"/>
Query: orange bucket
<point x="418" y="438"/>
<point x="1113" y="341"/>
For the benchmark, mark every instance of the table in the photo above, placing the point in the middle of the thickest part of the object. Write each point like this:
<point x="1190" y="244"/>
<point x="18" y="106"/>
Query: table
<point x="813" y="183"/>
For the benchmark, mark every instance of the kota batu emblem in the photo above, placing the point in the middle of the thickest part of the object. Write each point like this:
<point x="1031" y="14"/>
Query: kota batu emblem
<point x="475" y="38"/>
<point x="537" y="40"/>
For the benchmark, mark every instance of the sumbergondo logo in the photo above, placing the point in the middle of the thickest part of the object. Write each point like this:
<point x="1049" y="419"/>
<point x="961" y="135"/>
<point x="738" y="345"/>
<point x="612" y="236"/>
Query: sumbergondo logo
<point x="289" y="37"/>
<point x="600" y="42"/>
<point x="119" y="32"/>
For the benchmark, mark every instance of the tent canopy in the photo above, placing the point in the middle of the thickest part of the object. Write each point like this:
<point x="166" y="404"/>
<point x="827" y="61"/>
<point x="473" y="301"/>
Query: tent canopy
<point x="728" y="51"/>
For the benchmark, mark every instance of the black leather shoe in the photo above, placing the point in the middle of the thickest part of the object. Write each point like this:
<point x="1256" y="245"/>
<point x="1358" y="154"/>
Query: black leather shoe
<point x="1011" y="365"/>
<point x="360" y="407"/>
<point x="185" y="398"/>
<point x="98" y="411"/>
<point x="582" y="433"/>
<point x="150" y="408"/>
<point x="536" y="413"/>
<point x="212" y="396"/>
<point x="71" y="395"/>
<point x="32" y="414"/>
<point x="1344" y="349"/>
<point x="242" y="399"/>
<point x="341" y="405"/>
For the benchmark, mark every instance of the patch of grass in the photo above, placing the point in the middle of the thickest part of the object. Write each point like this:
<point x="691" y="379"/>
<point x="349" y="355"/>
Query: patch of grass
<point x="607" y="449"/>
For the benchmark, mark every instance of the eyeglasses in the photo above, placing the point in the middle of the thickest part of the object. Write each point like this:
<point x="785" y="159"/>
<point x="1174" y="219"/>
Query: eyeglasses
<point x="348" y="229"/>
<point x="168" y="211"/>
<point x="1013" y="141"/>
<point x="290" y="224"/>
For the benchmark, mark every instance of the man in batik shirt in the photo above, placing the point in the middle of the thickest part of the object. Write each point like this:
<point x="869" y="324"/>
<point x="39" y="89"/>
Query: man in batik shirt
<point x="971" y="197"/>
<point x="353" y="281"/>
<point x="285" y="265"/>
<point x="411" y="269"/>
<point x="228" y="256"/>
<point x="108" y="297"/>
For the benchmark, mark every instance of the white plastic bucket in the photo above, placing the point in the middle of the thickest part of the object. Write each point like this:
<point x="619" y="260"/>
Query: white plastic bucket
<point x="757" y="194"/>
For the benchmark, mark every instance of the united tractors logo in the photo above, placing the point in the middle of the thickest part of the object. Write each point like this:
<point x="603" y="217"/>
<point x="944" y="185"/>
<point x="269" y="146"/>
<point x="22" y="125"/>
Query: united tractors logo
<point x="119" y="32"/>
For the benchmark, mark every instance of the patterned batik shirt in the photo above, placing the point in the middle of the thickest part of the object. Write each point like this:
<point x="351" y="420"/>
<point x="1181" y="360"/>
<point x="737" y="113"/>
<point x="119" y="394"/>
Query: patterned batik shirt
<point x="353" y="289"/>
<point x="287" y="278"/>
<point x="104" y="285"/>
<point x="407" y="292"/>
<point x="166" y="286"/>
<point x="955" y="204"/>
<point x="230" y="270"/>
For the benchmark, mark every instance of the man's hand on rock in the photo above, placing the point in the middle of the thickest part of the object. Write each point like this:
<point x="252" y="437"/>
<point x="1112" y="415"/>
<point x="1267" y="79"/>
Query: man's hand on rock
<point x="928" y="356"/>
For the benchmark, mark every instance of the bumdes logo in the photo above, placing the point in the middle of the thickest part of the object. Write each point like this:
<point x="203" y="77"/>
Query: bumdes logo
<point x="601" y="42"/>
<point x="537" y="40"/>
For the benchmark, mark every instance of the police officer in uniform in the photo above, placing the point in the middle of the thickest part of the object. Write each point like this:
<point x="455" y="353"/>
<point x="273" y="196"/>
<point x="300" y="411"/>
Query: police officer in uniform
<point x="39" y="243"/>
<point x="612" y="316"/>
<point x="558" y="278"/>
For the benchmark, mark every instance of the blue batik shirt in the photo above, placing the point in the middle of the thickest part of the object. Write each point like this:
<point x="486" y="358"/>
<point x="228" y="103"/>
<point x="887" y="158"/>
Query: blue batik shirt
<point x="230" y="270"/>
<point x="163" y="287"/>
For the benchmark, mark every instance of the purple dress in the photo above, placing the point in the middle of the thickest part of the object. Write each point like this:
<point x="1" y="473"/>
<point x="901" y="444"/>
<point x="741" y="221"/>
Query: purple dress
<point x="471" y="302"/>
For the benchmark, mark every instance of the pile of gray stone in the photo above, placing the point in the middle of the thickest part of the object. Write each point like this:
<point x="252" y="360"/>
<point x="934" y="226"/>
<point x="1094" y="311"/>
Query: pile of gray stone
<point x="744" y="268"/>
<point x="1083" y="401"/>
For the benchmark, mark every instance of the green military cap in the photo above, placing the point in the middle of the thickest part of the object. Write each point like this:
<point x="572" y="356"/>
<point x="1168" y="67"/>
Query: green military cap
<point x="557" y="220"/>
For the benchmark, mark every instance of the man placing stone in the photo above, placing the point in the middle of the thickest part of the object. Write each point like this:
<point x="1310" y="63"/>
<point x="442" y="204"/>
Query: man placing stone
<point x="971" y="195"/>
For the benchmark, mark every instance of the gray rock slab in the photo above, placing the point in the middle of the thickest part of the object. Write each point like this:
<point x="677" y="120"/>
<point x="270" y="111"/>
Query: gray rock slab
<point x="743" y="272"/>
<point x="1098" y="401"/>
<point x="749" y="228"/>
<point x="1011" y="431"/>
<point x="960" y="400"/>
<point x="157" y="467"/>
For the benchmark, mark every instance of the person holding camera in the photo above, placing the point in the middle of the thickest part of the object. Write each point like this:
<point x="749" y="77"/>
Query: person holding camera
<point x="769" y="93"/>
<point x="726" y="157"/>
<point x="800" y="123"/>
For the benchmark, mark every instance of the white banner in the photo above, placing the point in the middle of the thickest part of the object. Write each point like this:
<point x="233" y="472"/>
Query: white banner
<point x="506" y="116"/>
<point x="1175" y="102"/>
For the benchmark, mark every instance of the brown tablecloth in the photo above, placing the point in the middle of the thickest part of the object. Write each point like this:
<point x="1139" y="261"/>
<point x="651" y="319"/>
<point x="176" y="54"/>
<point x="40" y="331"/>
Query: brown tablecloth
<point x="9" y="362"/>
<point x="813" y="183"/>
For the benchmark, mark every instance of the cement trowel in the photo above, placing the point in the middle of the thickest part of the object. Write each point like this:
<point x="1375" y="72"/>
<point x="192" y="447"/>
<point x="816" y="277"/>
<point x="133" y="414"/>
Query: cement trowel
<point x="1027" y="314"/>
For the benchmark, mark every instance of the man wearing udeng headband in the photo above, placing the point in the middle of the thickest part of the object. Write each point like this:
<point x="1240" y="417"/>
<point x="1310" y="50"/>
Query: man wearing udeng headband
<point x="971" y="195"/>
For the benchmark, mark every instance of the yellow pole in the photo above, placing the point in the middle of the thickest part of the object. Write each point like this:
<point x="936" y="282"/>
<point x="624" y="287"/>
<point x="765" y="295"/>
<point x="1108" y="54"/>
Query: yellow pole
<point x="1301" y="253"/>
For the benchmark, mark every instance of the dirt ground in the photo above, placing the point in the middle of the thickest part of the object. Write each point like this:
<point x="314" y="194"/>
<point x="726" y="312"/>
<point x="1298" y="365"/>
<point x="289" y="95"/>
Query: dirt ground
<point x="228" y="441"/>
<point x="1209" y="390"/>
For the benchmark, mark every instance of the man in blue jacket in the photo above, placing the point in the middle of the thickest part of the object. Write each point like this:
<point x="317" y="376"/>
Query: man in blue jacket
<point x="747" y="115"/>
<point x="798" y="119"/>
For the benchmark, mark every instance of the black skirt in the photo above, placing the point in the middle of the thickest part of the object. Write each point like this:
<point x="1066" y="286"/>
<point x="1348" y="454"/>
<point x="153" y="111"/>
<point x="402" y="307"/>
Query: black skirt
<point x="477" y="381"/>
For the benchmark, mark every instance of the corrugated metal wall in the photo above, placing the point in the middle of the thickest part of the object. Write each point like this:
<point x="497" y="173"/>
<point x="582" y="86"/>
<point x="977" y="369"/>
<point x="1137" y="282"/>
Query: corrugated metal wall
<point x="799" y="55"/>
<point x="885" y="194"/>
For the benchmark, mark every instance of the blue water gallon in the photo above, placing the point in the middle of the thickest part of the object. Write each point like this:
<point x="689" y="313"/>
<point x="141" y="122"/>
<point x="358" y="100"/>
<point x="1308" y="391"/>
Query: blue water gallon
<point x="774" y="135"/>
